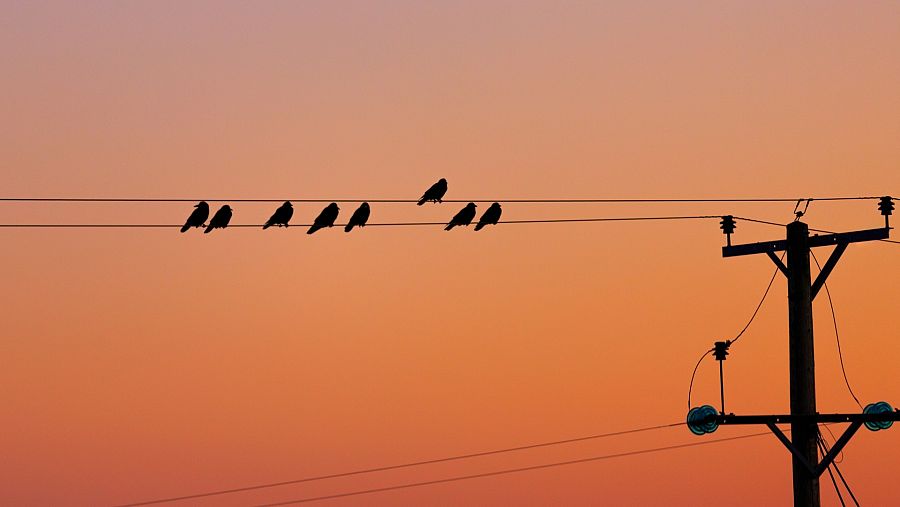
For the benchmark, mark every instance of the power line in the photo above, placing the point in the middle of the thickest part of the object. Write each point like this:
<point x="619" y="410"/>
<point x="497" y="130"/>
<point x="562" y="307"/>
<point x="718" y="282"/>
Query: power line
<point x="516" y="200"/>
<point x="403" y="465"/>
<point x="736" y="338"/>
<point x="385" y="224"/>
<point x="691" y="385"/>
<point x="510" y="471"/>
<point x="837" y="335"/>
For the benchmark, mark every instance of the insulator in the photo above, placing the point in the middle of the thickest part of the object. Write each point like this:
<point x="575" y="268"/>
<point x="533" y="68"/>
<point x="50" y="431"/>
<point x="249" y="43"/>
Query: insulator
<point x="702" y="420"/>
<point x="727" y="224"/>
<point x="882" y="407"/>
<point x="886" y="205"/>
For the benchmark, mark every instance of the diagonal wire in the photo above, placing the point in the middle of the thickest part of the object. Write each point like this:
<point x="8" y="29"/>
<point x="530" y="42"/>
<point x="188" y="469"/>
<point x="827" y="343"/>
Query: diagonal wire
<point x="824" y="451"/>
<point x="510" y="471"/>
<point x="402" y="465"/>
<point x="837" y="335"/>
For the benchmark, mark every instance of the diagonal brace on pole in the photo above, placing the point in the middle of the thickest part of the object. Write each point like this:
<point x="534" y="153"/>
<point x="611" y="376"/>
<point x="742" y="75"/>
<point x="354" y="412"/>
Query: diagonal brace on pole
<point x="827" y="268"/>
<point x="818" y="469"/>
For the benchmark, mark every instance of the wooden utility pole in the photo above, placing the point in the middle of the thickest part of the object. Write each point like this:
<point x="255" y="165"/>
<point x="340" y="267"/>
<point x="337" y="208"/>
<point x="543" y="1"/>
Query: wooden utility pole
<point x="802" y="364"/>
<point x="804" y="418"/>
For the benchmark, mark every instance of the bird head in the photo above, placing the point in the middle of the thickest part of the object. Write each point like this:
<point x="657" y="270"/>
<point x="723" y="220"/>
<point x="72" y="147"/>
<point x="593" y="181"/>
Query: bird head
<point x="443" y="180"/>
<point x="364" y="205"/>
<point x="287" y="204"/>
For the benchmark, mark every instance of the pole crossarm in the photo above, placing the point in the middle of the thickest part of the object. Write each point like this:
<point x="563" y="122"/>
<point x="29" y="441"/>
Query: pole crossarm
<point x="723" y="419"/>
<point x="815" y="469"/>
<point x="814" y="241"/>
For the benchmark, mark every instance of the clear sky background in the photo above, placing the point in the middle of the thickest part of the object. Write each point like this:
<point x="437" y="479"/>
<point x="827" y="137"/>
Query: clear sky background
<point x="142" y="363"/>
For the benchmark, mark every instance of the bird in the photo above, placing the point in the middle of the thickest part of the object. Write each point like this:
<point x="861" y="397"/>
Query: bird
<point x="282" y="216"/>
<point x="326" y="218"/>
<point x="220" y="219"/>
<point x="490" y="217"/>
<point x="197" y="217"/>
<point x="359" y="217"/>
<point x="464" y="217"/>
<point x="435" y="193"/>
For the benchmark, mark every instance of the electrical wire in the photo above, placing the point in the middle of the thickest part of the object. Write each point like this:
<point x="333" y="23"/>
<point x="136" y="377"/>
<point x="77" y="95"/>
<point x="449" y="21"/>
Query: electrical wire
<point x="821" y="443"/>
<point x="846" y="486"/>
<point x="510" y="471"/>
<point x="517" y="200"/>
<point x="403" y="465"/>
<point x="837" y="335"/>
<point x="384" y="224"/>
<point x="691" y="386"/>
<point x="761" y="301"/>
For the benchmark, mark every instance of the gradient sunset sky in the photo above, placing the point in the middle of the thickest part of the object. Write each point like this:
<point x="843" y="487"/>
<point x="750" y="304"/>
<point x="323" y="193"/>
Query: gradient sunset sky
<point x="143" y="363"/>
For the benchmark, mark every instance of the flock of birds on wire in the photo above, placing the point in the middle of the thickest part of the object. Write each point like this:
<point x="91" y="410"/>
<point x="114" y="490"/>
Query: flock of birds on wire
<point x="281" y="217"/>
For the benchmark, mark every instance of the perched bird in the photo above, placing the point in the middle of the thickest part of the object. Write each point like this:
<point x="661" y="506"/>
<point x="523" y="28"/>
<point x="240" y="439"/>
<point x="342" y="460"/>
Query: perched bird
<point x="464" y="217"/>
<point x="359" y="217"/>
<point x="490" y="217"/>
<point x="220" y="219"/>
<point x="197" y="217"/>
<point x="282" y="215"/>
<point x="326" y="218"/>
<point x="435" y="193"/>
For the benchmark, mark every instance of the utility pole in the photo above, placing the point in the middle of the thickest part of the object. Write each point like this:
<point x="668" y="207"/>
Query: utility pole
<point x="804" y="417"/>
<point x="802" y="363"/>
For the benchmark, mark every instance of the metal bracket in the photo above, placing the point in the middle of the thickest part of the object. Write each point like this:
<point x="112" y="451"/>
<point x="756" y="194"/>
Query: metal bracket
<point x="827" y="268"/>
<point x="820" y="468"/>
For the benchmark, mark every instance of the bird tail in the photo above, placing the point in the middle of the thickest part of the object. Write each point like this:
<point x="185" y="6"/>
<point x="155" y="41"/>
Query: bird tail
<point x="348" y="228"/>
<point x="185" y="228"/>
<point x="479" y="226"/>
<point x="449" y="226"/>
<point x="268" y="224"/>
<point x="313" y="229"/>
<point x="208" y="228"/>
<point x="421" y="202"/>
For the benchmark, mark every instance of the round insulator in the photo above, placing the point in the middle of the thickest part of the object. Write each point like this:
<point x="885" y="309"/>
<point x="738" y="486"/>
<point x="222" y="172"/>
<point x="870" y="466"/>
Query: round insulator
<point x="882" y="407"/>
<point x="702" y="420"/>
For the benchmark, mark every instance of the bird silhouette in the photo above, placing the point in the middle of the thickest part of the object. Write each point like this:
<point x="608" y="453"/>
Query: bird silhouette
<point x="435" y="193"/>
<point x="490" y="217"/>
<point x="326" y="218"/>
<point x="282" y="216"/>
<point x="464" y="217"/>
<point x="197" y="217"/>
<point x="359" y="217"/>
<point x="220" y="219"/>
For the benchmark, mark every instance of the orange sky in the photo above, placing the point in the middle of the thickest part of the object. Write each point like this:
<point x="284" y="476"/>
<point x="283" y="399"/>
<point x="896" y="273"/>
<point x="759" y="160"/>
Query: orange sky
<point x="143" y="363"/>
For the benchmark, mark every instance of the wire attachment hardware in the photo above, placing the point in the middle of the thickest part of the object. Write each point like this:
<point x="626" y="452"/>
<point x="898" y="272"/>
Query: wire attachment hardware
<point x="886" y="207"/>
<point x="727" y="225"/>
<point x="720" y="351"/>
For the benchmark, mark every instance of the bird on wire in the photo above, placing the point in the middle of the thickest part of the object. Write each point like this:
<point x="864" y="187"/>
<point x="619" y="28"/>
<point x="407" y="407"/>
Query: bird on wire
<point x="490" y="217"/>
<point x="220" y="219"/>
<point x="326" y="218"/>
<point x="198" y="217"/>
<point x="282" y="216"/>
<point x="464" y="217"/>
<point x="435" y="193"/>
<point x="359" y="217"/>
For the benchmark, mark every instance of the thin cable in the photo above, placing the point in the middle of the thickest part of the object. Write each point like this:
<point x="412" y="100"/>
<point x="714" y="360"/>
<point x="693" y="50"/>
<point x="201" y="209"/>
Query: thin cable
<point x="403" y="465"/>
<point x="824" y="452"/>
<point x="840" y="456"/>
<point x="846" y="486"/>
<point x="837" y="335"/>
<point x="691" y="386"/>
<point x="510" y="471"/>
<point x="560" y="200"/>
<point x="385" y="224"/>
<point x="761" y="301"/>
